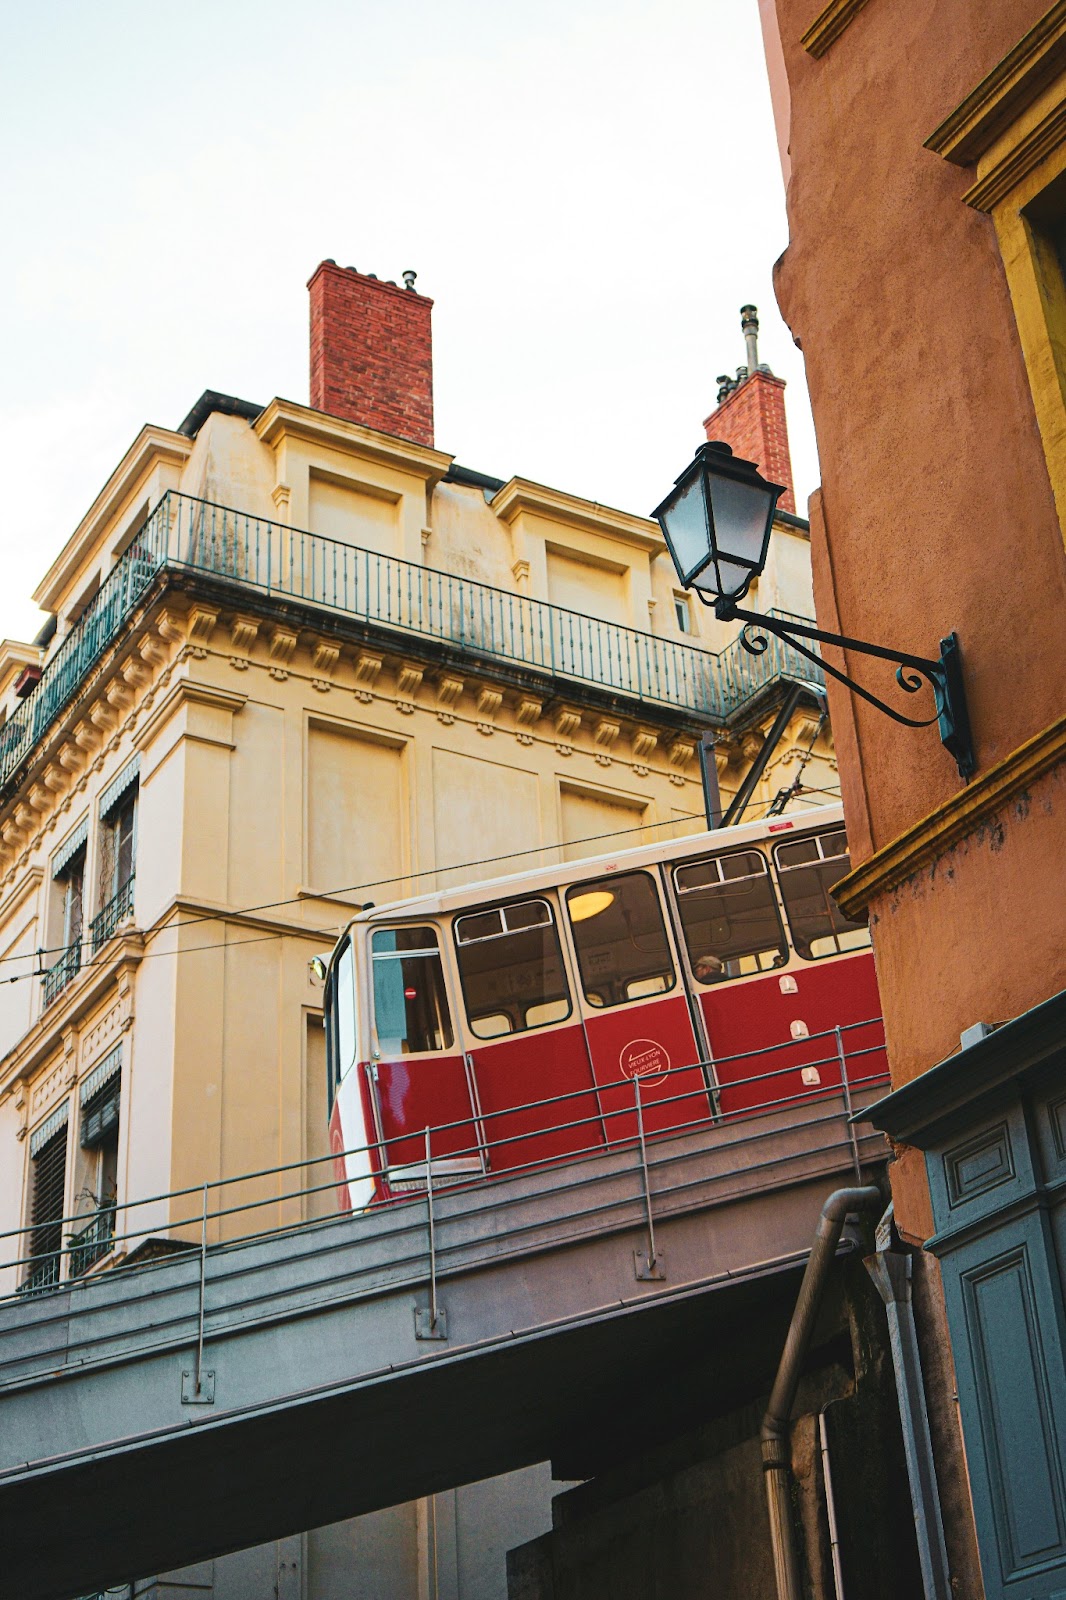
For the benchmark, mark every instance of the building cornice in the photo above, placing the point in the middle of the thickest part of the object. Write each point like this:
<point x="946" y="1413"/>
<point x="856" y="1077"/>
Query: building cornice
<point x="520" y="494"/>
<point x="1012" y="85"/>
<point x="951" y="822"/>
<point x="829" y="24"/>
<point x="151" y="446"/>
<point x="1015" y="164"/>
<point x="283" y="419"/>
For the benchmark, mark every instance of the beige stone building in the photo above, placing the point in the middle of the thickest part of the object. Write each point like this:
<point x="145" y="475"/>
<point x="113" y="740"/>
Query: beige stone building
<point x="299" y="660"/>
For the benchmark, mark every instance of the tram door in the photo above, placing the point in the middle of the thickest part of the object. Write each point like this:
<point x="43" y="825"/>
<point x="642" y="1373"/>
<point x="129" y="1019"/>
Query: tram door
<point x="418" y="1075"/>
<point x="634" y="1006"/>
<point x="526" y="1046"/>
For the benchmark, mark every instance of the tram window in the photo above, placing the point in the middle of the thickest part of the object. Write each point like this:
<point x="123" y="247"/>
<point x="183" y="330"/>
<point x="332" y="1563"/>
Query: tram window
<point x="343" y="982"/>
<point x="729" y="916"/>
<point x="622" y="948"/>
<point x="807" y="869"/>
<point x="410" y="1001"/>
<point x="511" y="969"/>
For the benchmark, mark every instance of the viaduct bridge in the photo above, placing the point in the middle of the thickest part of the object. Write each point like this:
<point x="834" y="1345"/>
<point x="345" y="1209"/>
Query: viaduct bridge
<point x="212" y="1399"/>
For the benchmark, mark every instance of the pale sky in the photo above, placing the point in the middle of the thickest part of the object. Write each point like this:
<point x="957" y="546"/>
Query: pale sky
<point x="588" y="190"/>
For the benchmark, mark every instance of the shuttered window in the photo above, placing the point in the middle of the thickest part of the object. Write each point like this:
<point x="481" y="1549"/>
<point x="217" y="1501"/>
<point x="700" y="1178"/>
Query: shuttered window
<point x="48" y="1154"/>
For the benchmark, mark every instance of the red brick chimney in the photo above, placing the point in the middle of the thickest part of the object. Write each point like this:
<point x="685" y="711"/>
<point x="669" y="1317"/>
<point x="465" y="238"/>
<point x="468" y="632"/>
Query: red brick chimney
<point x="750" y="416"/>
<point x="372" y="352"/>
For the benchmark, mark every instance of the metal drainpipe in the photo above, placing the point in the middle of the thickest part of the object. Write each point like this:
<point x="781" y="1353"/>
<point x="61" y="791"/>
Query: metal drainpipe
<point x="775" y="1430"/>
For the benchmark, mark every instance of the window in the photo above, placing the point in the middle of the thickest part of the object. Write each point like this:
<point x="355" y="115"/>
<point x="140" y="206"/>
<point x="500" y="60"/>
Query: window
<point x="118" y="837"/>
<point x="48" y="1177"/>
<point x="622" y="948"/>
<point x="511" y="968"/>
<point x="807" y="869"/>
<point x="341" y="1036"/>
<point x="66" y="921"/>
<point x="729" y="916"/>
<point x="97" y="1196"/>
<point x="410" y="1001"/>
<point x="683" y="613"/>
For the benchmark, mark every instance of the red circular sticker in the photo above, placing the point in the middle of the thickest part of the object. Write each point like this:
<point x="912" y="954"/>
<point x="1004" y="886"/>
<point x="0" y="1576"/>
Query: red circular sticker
<point x="643" y="1058"/>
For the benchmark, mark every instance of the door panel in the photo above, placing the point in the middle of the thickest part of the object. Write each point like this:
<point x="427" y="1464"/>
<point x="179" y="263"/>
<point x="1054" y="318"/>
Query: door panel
<point x="415" y="1094"/>
<point x="650" y="1041"/>
<point x="529" y="1067"/>
<point x="753" y="1015"/>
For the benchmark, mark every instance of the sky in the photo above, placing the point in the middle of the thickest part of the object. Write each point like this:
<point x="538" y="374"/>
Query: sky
<point x="589" y="191"/>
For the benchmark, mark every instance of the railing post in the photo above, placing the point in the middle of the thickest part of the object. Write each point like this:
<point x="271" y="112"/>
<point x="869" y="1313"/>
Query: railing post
<point x="198" y="1387"/>
<point x="846" y="1090"/>
<point x="649" y="1266"/>
<point x="431" y="1322"/>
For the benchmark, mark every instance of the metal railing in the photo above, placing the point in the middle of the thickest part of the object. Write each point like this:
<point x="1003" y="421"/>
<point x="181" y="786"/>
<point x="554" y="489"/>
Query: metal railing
<point x="185" y="533"/>
<point x="60" y="973"/>
<point x="91" y="1243"/>
<point x="851" y="1057"/>
<point x="116" y="910"/>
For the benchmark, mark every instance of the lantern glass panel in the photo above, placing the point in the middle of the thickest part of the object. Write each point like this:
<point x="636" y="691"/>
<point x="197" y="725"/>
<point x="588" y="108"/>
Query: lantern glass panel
<point x="687" y="534"/>
<point x="723" y="577"/>
<point x="741" y="514"/>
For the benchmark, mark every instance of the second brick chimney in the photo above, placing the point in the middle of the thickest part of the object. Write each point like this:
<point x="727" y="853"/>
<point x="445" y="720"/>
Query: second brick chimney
<point x="372" y="352"/>
<point x="750" y="416"/>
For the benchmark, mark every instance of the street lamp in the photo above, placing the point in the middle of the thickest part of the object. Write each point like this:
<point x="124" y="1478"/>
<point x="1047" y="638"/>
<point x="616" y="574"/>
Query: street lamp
<point x="717" y="521"/>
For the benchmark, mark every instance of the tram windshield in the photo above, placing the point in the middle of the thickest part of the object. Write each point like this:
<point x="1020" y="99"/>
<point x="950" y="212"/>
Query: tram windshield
<point x="411" y="1012"/>
<point x="807" y="869"/>
<point x="620" y="937"/>
<point x="511" y="969"/>
<point x="729" y="916"/>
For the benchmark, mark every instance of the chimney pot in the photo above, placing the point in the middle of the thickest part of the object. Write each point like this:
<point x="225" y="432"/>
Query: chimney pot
<point x="409" y="276"/>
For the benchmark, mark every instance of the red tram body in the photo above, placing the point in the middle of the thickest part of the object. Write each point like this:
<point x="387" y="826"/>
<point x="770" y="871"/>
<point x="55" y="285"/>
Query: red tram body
<point x="511" y="1017"/>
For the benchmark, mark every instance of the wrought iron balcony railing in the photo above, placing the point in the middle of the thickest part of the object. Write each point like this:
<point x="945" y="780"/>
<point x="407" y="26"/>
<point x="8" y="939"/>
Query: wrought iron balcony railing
<point x="116" y="910"/>
<point x="62" y="971"/>
<point x="188" y="534"/>
<point x="93" y="1242"/>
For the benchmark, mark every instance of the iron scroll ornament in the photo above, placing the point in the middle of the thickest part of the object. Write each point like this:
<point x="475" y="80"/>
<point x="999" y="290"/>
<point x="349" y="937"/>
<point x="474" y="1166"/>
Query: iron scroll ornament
<point x="944" y="676"/>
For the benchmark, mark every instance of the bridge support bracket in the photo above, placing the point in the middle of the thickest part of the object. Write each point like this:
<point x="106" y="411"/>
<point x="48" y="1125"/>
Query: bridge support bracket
<point x="198" y="1389"/>
<point x="430" y="1324"/>
<point x="649" y="1268"/>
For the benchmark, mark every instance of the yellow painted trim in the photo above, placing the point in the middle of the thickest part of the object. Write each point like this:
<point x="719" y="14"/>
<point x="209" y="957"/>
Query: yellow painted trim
<point x="951" y="822"/>
<point x="1006" y="174"/>
<point x="829" y="25"/>
<point x="520" y="494"/>
<point x="285" y="419"/>
<point x="1011" y="85"/>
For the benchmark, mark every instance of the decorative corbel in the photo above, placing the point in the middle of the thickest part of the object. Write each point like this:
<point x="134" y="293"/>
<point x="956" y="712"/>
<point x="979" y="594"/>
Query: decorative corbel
<point x="520" y="573"/>
<point x="567" y="722"/>
<point x="644" y="742"/>
<point x="367" y="668"/>
<point x="55" y="776"/>
<point x="242" y="634"/>
<point x="325" y="658"/>
<point x="488" y="703"/>
<point x="202" y="620"/>
<point x="603" y="738"/>
<point x="118" y="695"/>
<point x="280" y="649"/>
<point x="39" y="798"/>
<point x="449" y="690"/>
<point x="408" y="680"/>
<point x="527" y="715"/>
<point x="681" y="753"/>
<point x="281" y="494"/>
<point x="134" y="674"/>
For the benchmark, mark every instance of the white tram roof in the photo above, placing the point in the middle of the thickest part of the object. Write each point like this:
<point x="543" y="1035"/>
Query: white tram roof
<point x="443" y="902"/>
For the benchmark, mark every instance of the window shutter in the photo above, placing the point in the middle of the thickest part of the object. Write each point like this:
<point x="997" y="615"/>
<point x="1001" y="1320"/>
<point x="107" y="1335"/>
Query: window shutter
<point x="49" y="1155"/>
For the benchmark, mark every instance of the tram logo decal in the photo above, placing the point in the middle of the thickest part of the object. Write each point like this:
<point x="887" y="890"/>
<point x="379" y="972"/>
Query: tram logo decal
<point x="643" y="1058"/>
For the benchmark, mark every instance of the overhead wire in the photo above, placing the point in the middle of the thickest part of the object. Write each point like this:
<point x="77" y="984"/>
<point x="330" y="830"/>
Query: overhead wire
<point x="234" y="913"/>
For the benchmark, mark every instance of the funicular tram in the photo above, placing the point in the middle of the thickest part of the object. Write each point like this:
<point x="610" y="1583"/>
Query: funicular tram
<point x="511" y="1017"/>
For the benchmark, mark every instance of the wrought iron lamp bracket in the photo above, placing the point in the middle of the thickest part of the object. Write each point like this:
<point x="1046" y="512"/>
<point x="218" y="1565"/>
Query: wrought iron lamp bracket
<point x="944" y="676"/>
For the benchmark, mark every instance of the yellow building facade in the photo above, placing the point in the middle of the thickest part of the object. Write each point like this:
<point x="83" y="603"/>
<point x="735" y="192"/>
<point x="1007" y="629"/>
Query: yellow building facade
<point x="299" y="663"/>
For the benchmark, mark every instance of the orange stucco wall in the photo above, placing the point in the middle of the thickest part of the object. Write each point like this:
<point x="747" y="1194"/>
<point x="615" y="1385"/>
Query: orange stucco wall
<point x="936" y="510"/>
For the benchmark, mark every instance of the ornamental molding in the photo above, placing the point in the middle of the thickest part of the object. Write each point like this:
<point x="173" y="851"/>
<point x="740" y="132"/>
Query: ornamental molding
<point x="952" y="822"/>
<point x="520" y="495"/>
<point x="829" y="24"/>
<point x="971" y="129"/>
<point x="1006" y="174"/>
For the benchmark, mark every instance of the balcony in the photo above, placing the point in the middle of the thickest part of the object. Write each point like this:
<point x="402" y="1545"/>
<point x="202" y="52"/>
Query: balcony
<point x="60" y="973"/>
<point x="190" y="535"/>
<point x="118" y="908"/>
<point x="91" y="1243"/>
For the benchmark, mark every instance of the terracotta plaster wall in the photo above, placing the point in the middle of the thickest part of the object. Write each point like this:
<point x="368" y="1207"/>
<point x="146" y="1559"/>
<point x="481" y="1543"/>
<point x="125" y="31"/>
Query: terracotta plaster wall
<point x="936" y="510"/>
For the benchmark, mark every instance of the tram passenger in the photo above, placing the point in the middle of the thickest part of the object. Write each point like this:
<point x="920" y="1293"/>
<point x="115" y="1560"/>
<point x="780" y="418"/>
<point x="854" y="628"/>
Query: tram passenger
<point x="707" y="968"/>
